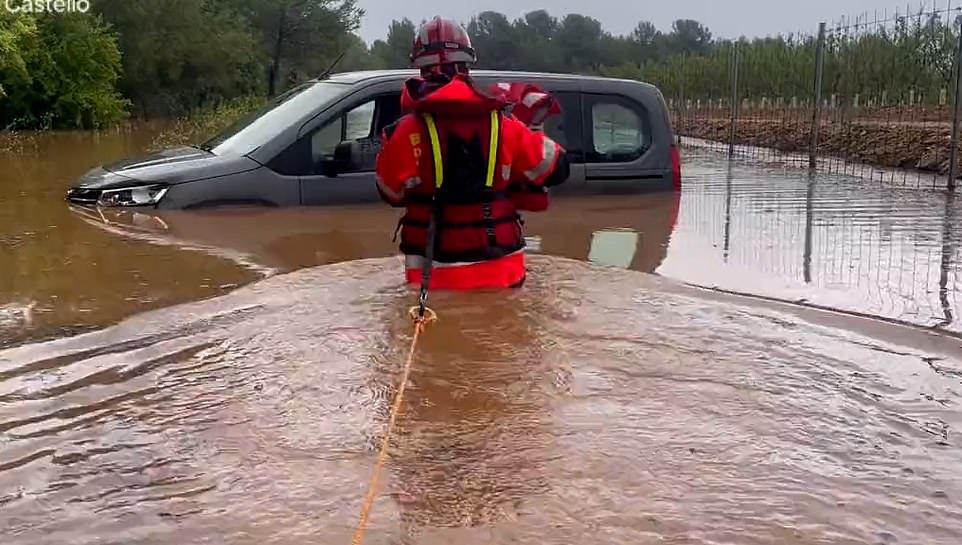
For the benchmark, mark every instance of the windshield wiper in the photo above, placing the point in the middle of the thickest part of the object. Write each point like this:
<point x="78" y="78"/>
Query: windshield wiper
<point x="202" y="147"/>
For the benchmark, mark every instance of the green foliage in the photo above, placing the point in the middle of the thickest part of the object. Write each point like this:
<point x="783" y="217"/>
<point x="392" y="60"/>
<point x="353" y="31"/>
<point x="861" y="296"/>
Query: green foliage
<point x="394" y="51"/>
<point x="175" y="58"/>
<point x="299" y="38"/>
<point x="165" y="58"/>
<point x="912" y="59"/>
<point x="356" y="55"/>
<point x="61" y="73"/>
<point x="181" y="54"/>
<point x="205" y="122"/>
<point x="15" y="32"/>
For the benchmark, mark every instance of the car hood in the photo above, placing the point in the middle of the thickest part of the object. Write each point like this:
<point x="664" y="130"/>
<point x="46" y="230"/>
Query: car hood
<point x="169" y="166"/>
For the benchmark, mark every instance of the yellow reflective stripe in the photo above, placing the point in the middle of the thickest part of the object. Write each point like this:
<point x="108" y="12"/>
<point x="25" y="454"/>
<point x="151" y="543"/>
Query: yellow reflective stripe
<point x="435" y="150"/>
<point x="492" y="148"/>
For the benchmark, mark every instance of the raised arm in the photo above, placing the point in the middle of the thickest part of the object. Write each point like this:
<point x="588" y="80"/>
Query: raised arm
<point x="397" y="162"/>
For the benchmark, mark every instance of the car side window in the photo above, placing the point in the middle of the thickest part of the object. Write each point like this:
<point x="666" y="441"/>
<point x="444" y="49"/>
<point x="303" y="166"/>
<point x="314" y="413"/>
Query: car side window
<point x="619" y="129"/>
<point x="355" y="124"/>
<point x="325" y="139"/>
<point x="358" y="122"/>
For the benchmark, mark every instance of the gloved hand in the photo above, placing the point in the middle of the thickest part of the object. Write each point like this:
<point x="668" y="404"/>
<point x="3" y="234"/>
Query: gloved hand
<point x="531" y="104"/>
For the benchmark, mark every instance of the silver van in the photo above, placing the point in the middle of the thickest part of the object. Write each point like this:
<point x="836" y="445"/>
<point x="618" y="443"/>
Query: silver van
<point x="290" y="153"/>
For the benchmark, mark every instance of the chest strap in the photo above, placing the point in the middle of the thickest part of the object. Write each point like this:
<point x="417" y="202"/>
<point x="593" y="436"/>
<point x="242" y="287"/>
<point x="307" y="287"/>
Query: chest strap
<point x="493" y="141"/>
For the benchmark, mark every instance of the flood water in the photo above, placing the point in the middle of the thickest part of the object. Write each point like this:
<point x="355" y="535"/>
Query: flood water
<point x="225" y="376"/>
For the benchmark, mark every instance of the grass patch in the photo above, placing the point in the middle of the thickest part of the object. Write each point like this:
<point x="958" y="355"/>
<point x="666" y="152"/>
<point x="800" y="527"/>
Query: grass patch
<point x="15" y="143"/>
<point x="206" y="122"/>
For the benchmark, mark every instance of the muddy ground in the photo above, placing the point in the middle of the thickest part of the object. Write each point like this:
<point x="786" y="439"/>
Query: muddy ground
<point x="893" y="138"/>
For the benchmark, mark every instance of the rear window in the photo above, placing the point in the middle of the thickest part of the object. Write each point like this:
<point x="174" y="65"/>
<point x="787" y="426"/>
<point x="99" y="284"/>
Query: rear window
<point x="616" y="129"/>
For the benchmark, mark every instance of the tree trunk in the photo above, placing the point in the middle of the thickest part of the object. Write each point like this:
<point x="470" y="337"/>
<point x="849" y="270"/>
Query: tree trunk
<point x="275" y="66"/>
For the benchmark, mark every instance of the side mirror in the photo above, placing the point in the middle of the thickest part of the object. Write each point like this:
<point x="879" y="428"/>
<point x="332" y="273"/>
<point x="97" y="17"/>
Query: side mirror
<point x="330" y="167"/>
<point x="352" y="156"/>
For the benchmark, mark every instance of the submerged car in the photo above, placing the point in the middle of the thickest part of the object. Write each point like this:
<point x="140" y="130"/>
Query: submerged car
<point x="316" y="145"/>
<point x="628" y="231"/>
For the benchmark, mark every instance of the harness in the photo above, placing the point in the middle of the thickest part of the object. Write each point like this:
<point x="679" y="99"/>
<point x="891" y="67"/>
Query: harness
<point x="483" y="197"/>
<point x="438" y="198"/>
<point x="493" y="146"/>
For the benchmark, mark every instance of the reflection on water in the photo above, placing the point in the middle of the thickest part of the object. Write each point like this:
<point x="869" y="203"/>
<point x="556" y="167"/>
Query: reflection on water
<point x="741" y="227"/>
<point x="67" y="270"/>
<point x="593" y="405"/>
<point x="73" y="277"/>
<point x="476" y="409"/>
<point x="613" y="248"/>
<point x="744" y="227"/>
<point x="824" y="240"/>
<point x="256" y="242"/>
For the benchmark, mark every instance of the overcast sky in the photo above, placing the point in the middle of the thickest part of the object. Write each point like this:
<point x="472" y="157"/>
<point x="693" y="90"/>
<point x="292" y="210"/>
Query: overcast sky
<point x="725" y="18"/>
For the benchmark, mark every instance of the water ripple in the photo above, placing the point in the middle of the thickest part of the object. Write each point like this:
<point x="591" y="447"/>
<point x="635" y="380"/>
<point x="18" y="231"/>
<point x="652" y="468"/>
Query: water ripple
<point x="594" y="403"/>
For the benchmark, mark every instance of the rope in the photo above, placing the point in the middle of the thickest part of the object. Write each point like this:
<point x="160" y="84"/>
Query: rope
<point x="421" y="316"/>
<point x="428" y="264"/>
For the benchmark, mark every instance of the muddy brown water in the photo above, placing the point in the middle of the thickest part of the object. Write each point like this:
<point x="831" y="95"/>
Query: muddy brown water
<point x="155" y="387"/>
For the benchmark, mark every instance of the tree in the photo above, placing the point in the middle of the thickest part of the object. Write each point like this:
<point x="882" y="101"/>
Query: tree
<point x="395" y="50"/>
<point x="495" y="40"/>
<point x="172" y="57"/>
<point x="690" y="37"/>
<point x="62" y="72"/>
<point x="579" y="41"/>
<point x="15" y="30"/>
<point x="541" y="25"/>
<point x="646" y="42"/>
<point x="299" y="37"/>
<point x="357" y="56"/>
<point x="181" y="54"/>
<point x="536" y="48"/>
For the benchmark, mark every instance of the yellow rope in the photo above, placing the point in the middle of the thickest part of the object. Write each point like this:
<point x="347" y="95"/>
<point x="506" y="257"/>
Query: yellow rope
<point x="420" y="322"/>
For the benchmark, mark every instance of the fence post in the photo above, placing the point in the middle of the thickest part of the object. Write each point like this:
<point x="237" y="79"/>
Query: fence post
<point x="734" y="99"/>
<point x="817" y="108"/>
<point x="954" y="140"/>
<point x="809" y="213"/>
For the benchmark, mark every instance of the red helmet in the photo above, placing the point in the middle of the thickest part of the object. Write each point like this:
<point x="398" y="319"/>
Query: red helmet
<point x="441" y="41"/>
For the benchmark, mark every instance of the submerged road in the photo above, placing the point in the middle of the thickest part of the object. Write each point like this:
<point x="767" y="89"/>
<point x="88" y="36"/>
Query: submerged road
<point x="156" y="388"/>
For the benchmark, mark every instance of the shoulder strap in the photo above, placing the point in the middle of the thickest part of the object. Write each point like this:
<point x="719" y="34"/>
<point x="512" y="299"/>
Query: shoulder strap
<point x="493" y="148"/>
<point x="435" y="149"/>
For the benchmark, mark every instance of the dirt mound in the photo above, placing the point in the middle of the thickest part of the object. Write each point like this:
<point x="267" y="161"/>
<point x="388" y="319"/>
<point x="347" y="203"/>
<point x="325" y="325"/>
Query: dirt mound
<point x="918" y="146"/>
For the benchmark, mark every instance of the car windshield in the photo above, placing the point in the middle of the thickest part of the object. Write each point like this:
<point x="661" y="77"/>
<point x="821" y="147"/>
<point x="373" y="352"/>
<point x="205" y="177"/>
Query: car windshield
<point x="255" y="129"/>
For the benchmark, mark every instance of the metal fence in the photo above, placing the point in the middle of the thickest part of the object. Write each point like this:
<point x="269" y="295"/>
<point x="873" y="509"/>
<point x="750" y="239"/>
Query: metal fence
<point x="875" y="96"/>
<point x="882" y="253"/>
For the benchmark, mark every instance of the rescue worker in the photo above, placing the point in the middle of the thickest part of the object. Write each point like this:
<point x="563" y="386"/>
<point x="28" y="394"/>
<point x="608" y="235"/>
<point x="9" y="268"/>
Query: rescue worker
<point x="451" y="162"/>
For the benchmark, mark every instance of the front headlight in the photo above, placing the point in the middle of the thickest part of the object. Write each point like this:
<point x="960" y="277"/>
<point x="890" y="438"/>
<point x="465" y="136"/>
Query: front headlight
<point x="144" y="195"/>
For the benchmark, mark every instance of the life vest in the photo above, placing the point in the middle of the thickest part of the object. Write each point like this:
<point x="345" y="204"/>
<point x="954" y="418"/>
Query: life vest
<point x="528" y="197"/>
<point x="475" y="220"/>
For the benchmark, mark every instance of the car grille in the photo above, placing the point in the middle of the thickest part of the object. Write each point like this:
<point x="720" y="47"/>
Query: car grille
<point x="80" y="195"/>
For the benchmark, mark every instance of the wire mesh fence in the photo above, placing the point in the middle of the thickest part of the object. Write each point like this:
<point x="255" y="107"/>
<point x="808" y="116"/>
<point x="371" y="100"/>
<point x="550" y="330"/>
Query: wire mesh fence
<point x="874" y="96"/>
<point x="790" y="235"/>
